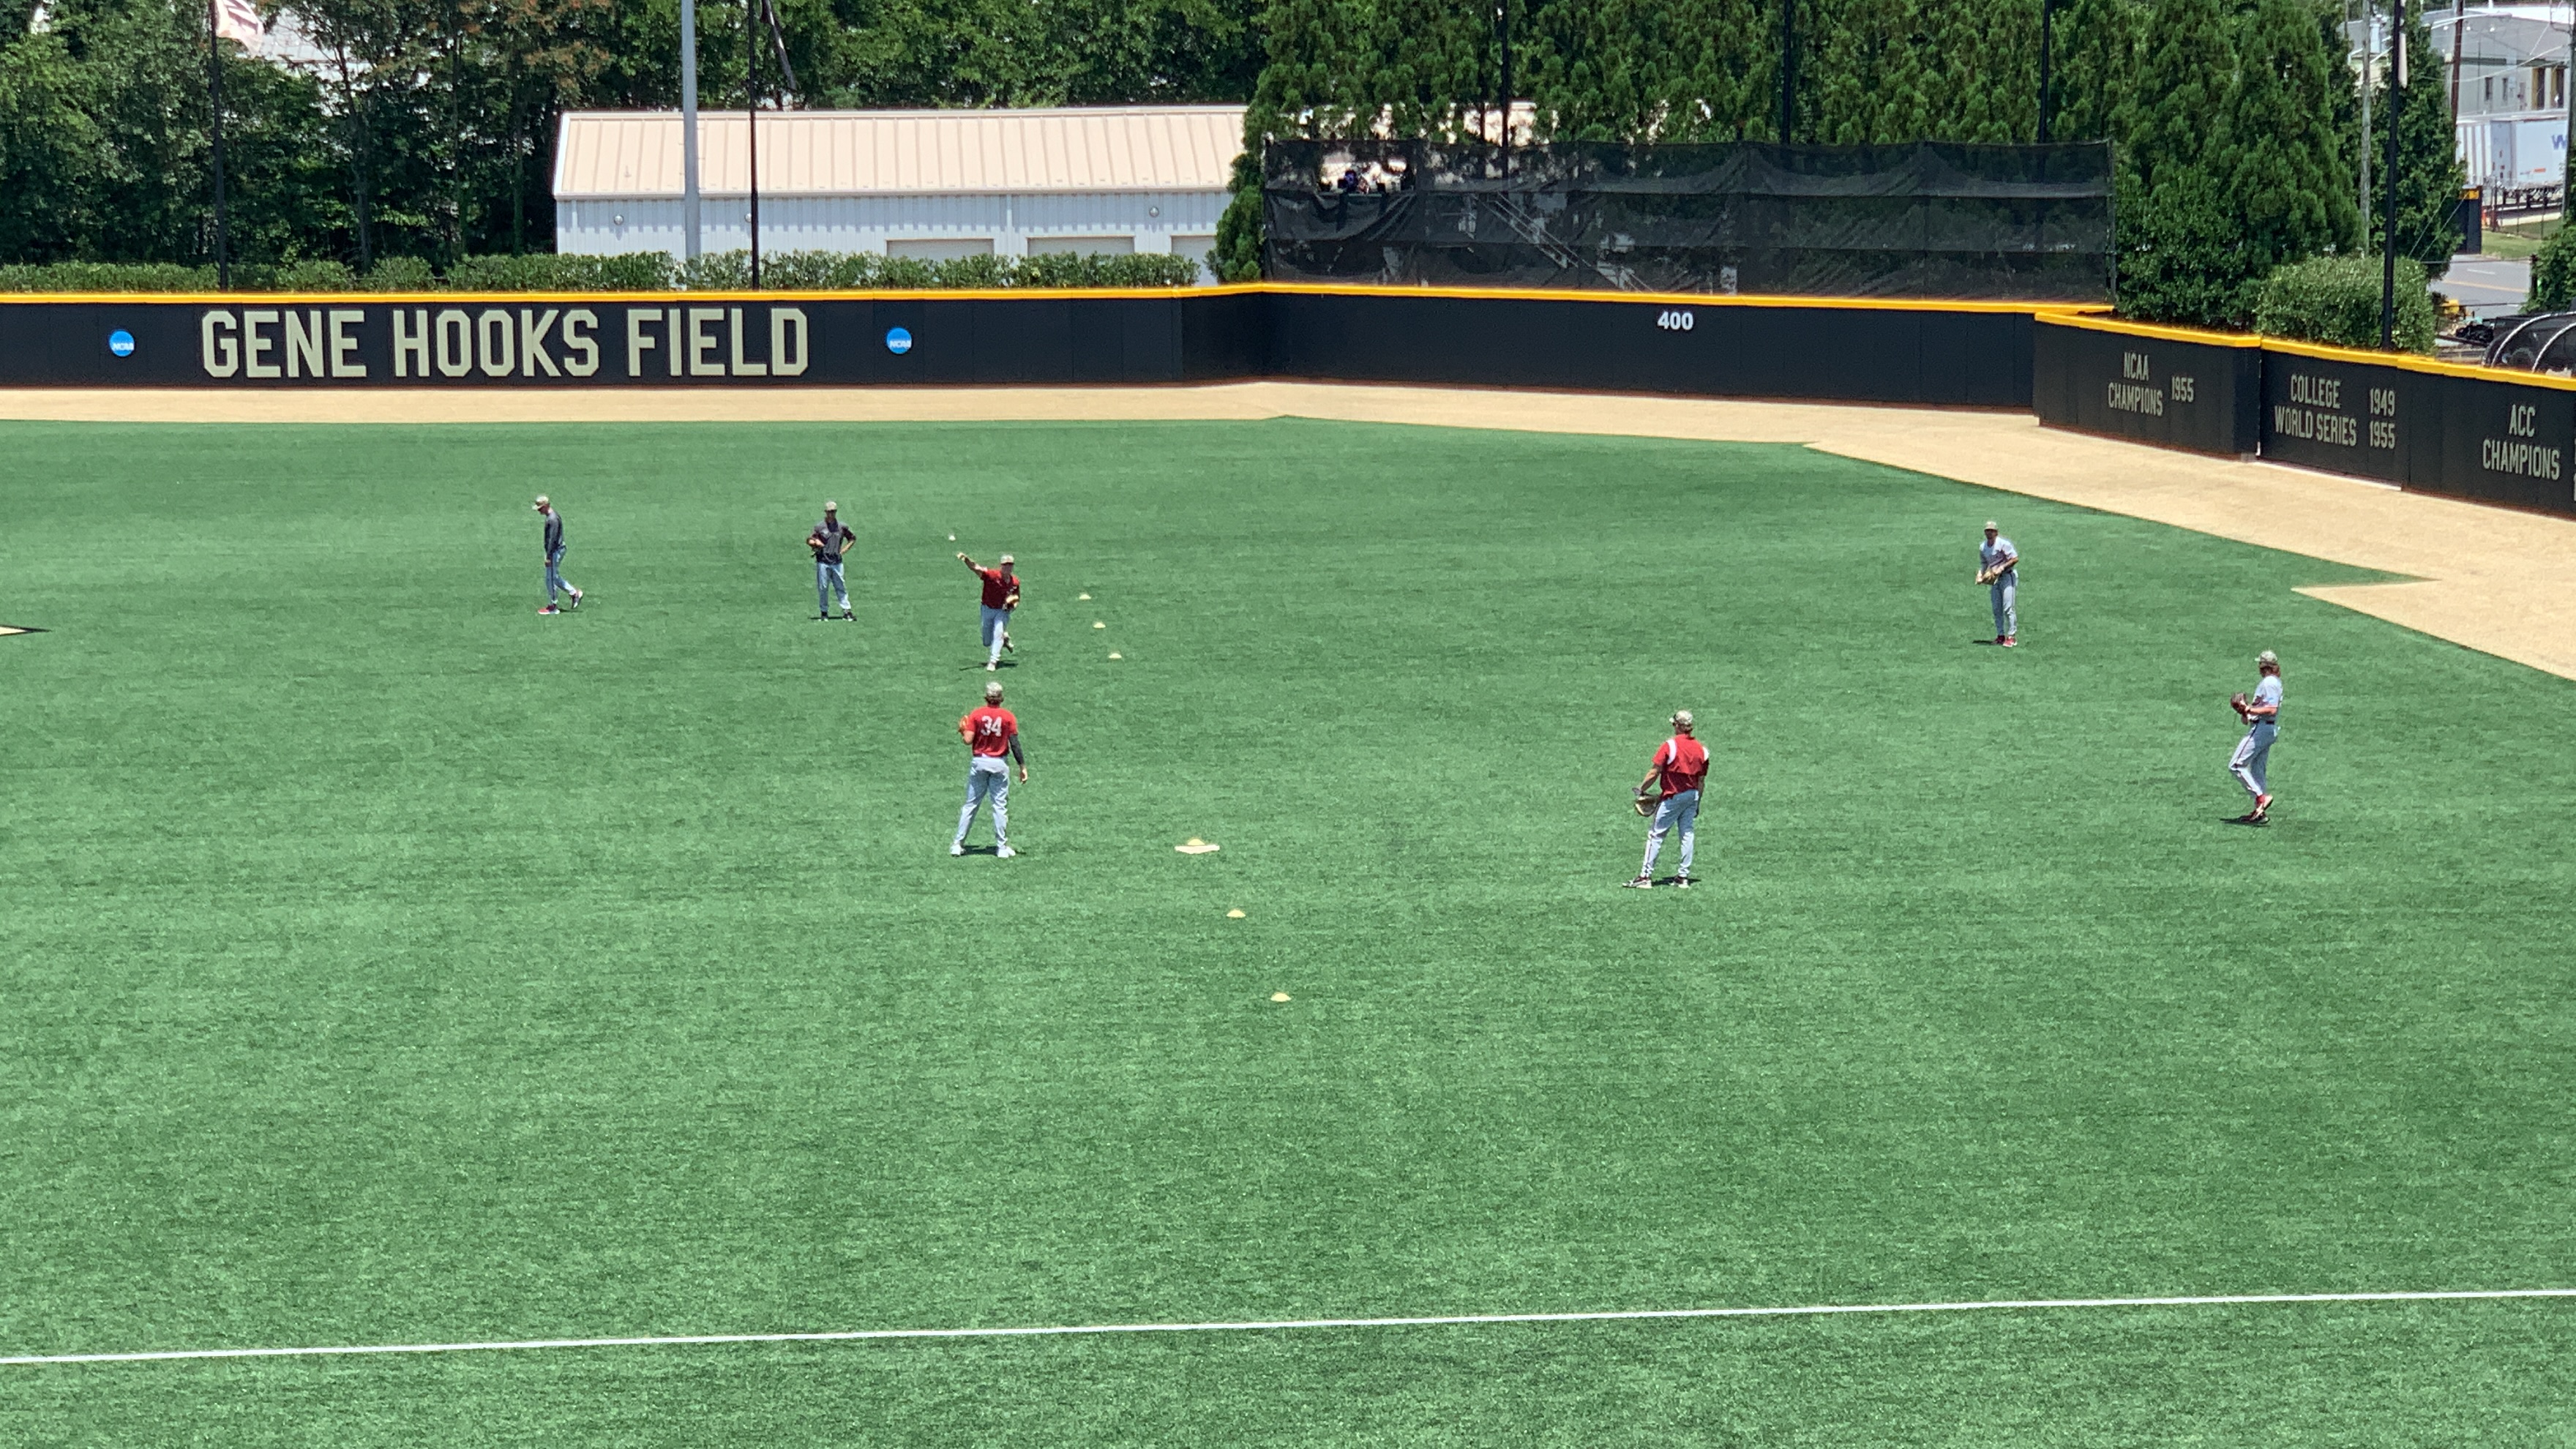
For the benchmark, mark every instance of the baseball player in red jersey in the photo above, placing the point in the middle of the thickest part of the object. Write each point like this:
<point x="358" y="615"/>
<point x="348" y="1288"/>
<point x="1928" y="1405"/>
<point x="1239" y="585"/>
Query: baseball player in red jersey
<point x="1679" y="766"/>
<point x="1001" y="596"/>
<point x="991" y="733"/>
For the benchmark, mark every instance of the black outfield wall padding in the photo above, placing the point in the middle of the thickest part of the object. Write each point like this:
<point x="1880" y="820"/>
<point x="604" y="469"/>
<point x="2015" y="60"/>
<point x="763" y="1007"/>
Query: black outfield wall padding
<point x="2153" y="385"/>
<point x="1966" y="354"/>
<point x="2436" y="427"/>
<point x="1958" y="356"/>
<point x="2370" y="419"/>
<point x="688" y="340"/>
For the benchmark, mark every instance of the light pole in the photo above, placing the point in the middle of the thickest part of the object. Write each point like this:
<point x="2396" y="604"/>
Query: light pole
<point x="751" y="123"/>
<point x="2046" y="10"/>
<point x="1788" y="70"/>
<point x="2388" y="175"/>
<point x="689" y="244"/>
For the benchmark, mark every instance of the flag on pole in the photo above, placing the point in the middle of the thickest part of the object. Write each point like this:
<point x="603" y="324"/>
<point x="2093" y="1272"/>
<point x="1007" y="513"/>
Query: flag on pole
<point x="238" y="20"/>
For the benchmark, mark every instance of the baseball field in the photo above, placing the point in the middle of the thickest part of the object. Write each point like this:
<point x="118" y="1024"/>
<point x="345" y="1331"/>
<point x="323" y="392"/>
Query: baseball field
<point x="383" y="964"/>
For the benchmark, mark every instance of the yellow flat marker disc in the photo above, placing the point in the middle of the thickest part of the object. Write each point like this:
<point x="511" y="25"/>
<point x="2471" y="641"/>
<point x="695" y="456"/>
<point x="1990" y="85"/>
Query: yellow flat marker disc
<point x="1097" y="624"/>
<point x="1234" y="915"/>
<point x="1279" y="996"/>
<point x="1114" y="654"/>
<point x="1199" y="847"/>
<point x="1081" y="596"/>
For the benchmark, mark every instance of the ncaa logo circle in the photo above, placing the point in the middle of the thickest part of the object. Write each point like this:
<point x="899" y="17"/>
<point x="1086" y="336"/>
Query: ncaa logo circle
<point x="898" y="341"/>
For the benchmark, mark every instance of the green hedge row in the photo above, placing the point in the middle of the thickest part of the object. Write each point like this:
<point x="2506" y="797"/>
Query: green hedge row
<point x="635" y="272"/>
<point x="2335" y="300"/>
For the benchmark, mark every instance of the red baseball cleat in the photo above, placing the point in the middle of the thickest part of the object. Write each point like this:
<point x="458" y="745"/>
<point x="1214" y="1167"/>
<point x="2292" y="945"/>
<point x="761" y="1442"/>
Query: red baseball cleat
<point x="2009" y="642"/>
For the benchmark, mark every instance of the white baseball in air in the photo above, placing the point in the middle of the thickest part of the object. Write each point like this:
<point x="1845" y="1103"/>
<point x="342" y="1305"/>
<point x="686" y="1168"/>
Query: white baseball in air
<point x="952" y="538"/>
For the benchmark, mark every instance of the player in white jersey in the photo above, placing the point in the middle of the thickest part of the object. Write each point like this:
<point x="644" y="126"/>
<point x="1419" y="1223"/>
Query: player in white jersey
<point x="2261" y="712"/>
<point x="1998" y="565"/>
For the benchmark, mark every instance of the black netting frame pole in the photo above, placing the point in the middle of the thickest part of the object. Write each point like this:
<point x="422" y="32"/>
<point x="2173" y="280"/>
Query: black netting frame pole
<point x="751" y="125"/>
<point x="1788" y="70"/>
<point x="215" y="104"/>
<point x="2047" y="13"/>
<point x="1504" y="15"/>
<point x="2388" y="182"/>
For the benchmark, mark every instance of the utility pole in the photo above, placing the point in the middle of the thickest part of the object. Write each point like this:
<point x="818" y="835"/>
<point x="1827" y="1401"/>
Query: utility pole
<point x="2388" y="178"/>
<point x="2459" y="23"/>
<point x="689" y="243"/>
<point x="2046" y="12"/>
<point x="1788" y="71"/>
<point x="215" y="102"/>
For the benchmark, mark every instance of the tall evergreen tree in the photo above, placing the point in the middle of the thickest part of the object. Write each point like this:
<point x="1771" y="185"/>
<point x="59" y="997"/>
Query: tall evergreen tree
<point x="2177" y="233"/>
<point x="2277" y="136"/>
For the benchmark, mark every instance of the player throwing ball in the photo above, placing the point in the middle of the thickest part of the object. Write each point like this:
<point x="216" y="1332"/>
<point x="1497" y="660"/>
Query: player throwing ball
<point x="991" y="733"/>
<point x="556" y="583"/>
<point x="1997" y="568"/>
<point x="829" y="540"/>
<point x="1670" y="795"/>
<point x="2262" y="715"/>
<point x="1001" y="596"/>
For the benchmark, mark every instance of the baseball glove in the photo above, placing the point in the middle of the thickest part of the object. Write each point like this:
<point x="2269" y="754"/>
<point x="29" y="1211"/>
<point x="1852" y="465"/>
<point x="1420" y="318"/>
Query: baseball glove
<point x="1645" y="801"/>
<point x="814" y="541"/>
<point x="2236" y="702"/>
<point x="1013" y="601"/>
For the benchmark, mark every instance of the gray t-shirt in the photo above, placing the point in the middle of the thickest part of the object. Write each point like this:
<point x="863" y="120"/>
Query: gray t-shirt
<point x="554" y="532"/>
<point x="836" y="537"/>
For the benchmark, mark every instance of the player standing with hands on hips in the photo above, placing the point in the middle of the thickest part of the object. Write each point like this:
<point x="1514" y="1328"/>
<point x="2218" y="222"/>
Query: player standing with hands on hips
<point x="2262" y="716"/>
<point x="1997" y="569"/>
<point x="1001" y="596"/>
<point x="990" y="732"/>
<point x="1679" y="767"/>
<point x="829" y="540"/>
<point x="556" y="583"/>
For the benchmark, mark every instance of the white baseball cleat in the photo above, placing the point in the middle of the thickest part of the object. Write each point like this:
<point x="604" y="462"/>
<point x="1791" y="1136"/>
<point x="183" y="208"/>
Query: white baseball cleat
<point x="1004" y="853"/>
<point x="955" y="848"/>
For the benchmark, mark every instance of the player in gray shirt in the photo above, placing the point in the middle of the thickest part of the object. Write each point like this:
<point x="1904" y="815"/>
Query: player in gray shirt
<point x="829" y="540"/>
<point x="556" y="583"/>
<point x="1998" y="568"/>
<point x="2261" y="712"/>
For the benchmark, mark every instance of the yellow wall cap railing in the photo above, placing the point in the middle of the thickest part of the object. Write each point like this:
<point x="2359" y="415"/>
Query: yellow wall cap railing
<point x="674" y="299"/>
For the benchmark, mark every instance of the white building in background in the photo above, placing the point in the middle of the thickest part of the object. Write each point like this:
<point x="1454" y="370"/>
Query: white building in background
<point x="932" y="184"/>
<point x="2512" y="88"/>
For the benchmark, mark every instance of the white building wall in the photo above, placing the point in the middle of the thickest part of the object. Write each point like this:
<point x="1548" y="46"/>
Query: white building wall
<point x="614" y="225"/>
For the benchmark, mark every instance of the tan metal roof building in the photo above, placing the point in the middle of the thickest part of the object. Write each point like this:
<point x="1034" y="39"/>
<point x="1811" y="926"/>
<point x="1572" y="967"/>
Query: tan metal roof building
<point x="635" y="155"/>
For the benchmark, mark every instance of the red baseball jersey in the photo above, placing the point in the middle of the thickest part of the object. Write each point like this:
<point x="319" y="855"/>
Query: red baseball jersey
<point x="1682" y="762"/>
<point x="988" y="729"/>
<point x="998" y="587"/>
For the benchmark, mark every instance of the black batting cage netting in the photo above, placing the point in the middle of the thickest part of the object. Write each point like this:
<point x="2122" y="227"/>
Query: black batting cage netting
<point x="1933" y="220"/>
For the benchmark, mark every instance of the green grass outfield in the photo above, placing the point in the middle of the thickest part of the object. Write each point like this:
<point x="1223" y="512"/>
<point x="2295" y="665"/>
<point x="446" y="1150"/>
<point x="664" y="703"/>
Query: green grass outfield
<point x="383" y="963"/>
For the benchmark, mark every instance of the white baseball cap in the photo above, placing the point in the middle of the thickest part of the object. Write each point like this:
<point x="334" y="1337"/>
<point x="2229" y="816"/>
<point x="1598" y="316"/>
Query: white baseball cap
<point x="541" y="500"/>
<point x="1006" y="558"/>
<point x="2268" y="657"/>
<point x="993" y="691"/>
<point x="830" y="507"/>
<point x="1682" y="717"/>
<point x="1991" y="528"/>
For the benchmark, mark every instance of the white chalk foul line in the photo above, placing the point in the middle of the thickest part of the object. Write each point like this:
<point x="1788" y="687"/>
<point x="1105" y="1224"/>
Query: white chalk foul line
<point x="1280" y="1324"/>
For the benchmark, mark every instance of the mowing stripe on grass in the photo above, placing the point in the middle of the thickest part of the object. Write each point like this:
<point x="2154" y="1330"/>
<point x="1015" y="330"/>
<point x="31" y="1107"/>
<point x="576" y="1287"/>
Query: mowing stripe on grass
<point x="1062" y="1330"/>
